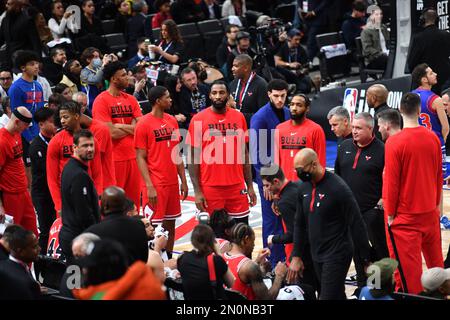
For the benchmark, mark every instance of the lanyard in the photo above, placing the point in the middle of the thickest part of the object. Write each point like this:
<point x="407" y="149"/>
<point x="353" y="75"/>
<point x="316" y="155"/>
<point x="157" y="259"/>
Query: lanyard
<point x="243" y="92"/>
<point x="42" y="138"/>
<point x="165" y="50"/>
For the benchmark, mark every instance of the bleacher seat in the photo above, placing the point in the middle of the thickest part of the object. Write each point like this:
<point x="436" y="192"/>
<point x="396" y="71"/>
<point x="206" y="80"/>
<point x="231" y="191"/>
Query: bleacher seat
<point x="116" y="41"/>
<point x="193" y="41"/>
<point x="212" y="33"/>
<point x="363" y="71"/>
<point x="108" y="26"/>
<point x="285" y="12"/>
<point x="335" y="67"/>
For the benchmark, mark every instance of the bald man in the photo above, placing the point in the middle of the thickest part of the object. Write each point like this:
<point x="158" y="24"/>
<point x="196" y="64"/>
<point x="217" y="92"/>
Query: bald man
<point x="15" y="199"/>
<point x="328" y="218"/>
<point x="377" y="96"/>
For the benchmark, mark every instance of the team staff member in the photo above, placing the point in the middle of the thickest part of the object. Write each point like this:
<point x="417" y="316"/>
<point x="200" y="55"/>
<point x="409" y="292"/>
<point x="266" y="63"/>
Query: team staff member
<point x="248" y="89"/>
<point x="262" y="127"/>
<point x="79" y="198"/>
<point x="328" y="216"/>
<point x="156" y="141"/>
<point x="15" y="199"/>
<point x="389" y="123"/>
<point x="412" y="186"/>
<point x="376" y="97"/>
<point x="340" y="123"/>
<point x="360" y="163"/>
<point x="297" y="133"/>
<point x="120" y="111"/>
<point x="60" y="149"/>
<point x="220" y="177"/>
<point x="40" y="193"/>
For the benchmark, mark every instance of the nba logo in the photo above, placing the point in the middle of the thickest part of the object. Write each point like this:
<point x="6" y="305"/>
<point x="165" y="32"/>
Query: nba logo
<point x="350" y="98"/>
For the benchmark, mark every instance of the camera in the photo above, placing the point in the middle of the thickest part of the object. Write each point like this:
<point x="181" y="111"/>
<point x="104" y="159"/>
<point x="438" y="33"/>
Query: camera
<point x="273" y="29"/>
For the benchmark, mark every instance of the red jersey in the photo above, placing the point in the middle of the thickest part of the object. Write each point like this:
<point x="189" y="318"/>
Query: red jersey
<point x="222" y="243"/>
<point x="235" y="263"/>
<point x="412" y="180"/>
<point x="101" y="133"/>
<point x="53" y="248"/>
<point x="221" y="138"/>
<point x="12" y="168"/>
<point x="60" y="150"/>
<point x="159" y="137"/>
<point x="122" y="109"/>
<point x="290" y="139"/>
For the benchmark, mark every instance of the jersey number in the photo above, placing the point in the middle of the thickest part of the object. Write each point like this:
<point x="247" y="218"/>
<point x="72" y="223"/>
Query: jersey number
<point x="425" y="120"/>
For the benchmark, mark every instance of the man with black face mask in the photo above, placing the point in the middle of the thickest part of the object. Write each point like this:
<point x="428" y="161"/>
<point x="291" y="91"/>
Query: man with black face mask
<point x="297" y="133"/>
<point x="329" y="217"/>
<point x="218" y="160"/>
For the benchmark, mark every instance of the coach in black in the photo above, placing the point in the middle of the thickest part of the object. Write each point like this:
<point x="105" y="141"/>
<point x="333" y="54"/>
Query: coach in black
<point x="360" y="163"/>
<point x="79" y="198"/>
<point x="328" y="216"/>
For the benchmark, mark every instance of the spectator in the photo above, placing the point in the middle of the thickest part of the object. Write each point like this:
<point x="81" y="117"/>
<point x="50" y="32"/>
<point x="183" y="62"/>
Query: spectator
<point x="353" y="24"/>
<point x="173" y="84"/>
<point x="376" y="97"/>
<point x="44" y="32"/>
<point x="53" y="70"/>
<point x="64" y="90"/>
<point x="187" y="11"/>
<point x="291" y="61"/>
<point x="91" y="76"/>
<point x="121" y="123"/>
<point x="6" y="110"/>
<point x="61" y="24"/>
<point x="170" y="49"/>
<point x="54" y="102"/>
<point x="78" y="195"/>
<point x="142" y="54"/>
<point x="143" y="84"/>
<point x="122" y="16"/>
<point x="71" y="75"/>
<point x="249" y="274"/>
<point x="196" y="267"/>
<point x="383" y="273"/>
<point x="163" y="13"/>
<point x="375" y="40"/>
<point x="242" y="47"/>
<point x="199" y="67"/>
<point x="340" y="124"/>
<point x="6" y="80"/>
<point x="194" y="97"/>
<point x="40" y="193"/>
<point x="90" y="23"/>
<point x="115" y="225"/>
<point x="18" y="31"/>
<point x="211" y="10"/>
<point x="431" y="46"/>
<point x="222" y="223"/>
<point x="227" y="45"/>
<point x="389" y="123"/>
<point x="234" y="8"/>
<point x="248" y="89"/>
<point x="138" y="26"/>
<point x="25" y="249"/>
<point x="436" y="283"/>
<point x="108" y="276"/>
<point x="5" y="240"/>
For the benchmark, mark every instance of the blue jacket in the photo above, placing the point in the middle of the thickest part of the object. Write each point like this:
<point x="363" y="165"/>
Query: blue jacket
<point x="266" y="119"/>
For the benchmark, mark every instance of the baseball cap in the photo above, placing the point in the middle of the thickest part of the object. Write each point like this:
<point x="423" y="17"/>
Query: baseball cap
<point x="102" y="252"/>
<point x="433" y="278"/>
<point x="387" y="266"/>
<point x="242" y="35"/>
<point x="291" y="293"/>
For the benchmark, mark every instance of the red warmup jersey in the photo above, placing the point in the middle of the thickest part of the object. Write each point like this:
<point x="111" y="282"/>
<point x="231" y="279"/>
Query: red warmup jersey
<point x="53" y="248"/>
<point x="222" y="139"/>
<point x="60" y="150"/>
<point x="290" y="139"/>
<point x="412" y="181"/>
<point x="101" y="133"/>
<point x="122" y="109"/>
<point x="159" y="137"/>
<point x="12" y="169"/>
<point x="235" y="263"/>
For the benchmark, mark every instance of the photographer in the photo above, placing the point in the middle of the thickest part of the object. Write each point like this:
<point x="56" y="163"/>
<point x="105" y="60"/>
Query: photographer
<point x="274" y="36"/>
<point x="292" y="62"/>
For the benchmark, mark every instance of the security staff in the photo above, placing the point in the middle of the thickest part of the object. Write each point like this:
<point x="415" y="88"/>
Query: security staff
<point x="328" y="216"/>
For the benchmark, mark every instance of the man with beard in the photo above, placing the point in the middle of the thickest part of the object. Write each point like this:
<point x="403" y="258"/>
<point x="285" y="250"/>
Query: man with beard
<point x="60" y="149"/>
<point x="297" y="133"/>
<point x="79" y="198"/>
<point x="248" y="89"/>
<point x="120" y="112"/>
<point x="242" y="47"/>
<point x="389" y="123"/>
<point x="142" y="54"/>
<point x="53" y="68"/>
<point x="219" y="165"/>
<point x="262" y="125"/>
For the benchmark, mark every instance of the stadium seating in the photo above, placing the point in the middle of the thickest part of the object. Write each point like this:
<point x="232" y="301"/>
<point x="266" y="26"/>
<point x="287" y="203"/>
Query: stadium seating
<point x="212" y="32"/>
<point x="363" y="71"/>
<point x="335" y="67"/>
<point x="193" y="41"/>
<point x="108" y="26"/>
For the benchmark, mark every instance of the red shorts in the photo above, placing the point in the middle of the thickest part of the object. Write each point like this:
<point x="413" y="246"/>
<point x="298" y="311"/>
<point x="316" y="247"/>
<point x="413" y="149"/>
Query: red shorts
<point x="20" y="206"/>
<point x="233" y="199"/>
<point x="167" y="204"/>
<point x="129" y="179"/>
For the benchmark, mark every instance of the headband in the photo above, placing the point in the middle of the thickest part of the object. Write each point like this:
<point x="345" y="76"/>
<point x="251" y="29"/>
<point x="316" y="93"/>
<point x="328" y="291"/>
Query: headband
<point x="21" y="117"/>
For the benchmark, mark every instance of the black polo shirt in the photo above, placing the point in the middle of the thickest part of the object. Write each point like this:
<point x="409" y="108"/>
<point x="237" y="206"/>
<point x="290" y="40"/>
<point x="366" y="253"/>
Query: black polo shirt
<point x="362" y="170"/>
<point x="287" y="205"/>
<point x="38" y="156"/>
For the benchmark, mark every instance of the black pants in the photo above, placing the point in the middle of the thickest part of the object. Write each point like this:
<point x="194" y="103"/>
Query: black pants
<point x="332" y="276"/>
<point x="243" y="220"/>
<point x="45" y="210"/>
<point x="379" y="62"/>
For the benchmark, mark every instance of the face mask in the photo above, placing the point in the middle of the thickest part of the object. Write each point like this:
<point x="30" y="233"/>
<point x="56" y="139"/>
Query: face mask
<point x="302" y="175"/>
<point x="96" y="63"/>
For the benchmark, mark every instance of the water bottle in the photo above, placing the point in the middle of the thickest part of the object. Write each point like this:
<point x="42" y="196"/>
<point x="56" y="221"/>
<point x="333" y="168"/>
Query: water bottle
<point x="151" y="54"/>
